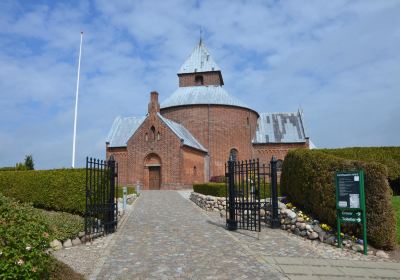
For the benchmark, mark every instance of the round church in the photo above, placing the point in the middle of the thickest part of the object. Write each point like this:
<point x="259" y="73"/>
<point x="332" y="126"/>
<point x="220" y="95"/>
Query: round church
<point x="189" y="137"/>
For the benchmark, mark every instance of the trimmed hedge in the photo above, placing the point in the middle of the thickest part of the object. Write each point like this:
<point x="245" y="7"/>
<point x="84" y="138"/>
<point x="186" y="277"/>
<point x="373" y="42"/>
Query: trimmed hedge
<point x="219" y="189"/>
<point x="389" y="156"/>
<point x="214" y="189"/>
<point x="308" y="181"/>
<point x="58" y="189"/>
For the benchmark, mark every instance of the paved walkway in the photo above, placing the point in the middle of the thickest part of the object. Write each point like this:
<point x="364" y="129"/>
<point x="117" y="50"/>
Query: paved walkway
<point x="166" y="236"/>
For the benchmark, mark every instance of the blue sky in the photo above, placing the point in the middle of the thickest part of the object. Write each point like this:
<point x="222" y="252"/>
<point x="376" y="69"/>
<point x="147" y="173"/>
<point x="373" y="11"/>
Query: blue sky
<point x="337" y="60"/>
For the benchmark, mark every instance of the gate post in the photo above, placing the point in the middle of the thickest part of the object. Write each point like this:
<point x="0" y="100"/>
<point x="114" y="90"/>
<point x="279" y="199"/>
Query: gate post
<point x="231" y="221"/>
<point x="275" y="222"/>
<point x="110" y="226"/>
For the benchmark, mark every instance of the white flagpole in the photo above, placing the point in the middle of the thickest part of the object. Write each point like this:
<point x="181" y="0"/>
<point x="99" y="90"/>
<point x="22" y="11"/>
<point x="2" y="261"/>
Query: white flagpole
<point x="76" y="102"/>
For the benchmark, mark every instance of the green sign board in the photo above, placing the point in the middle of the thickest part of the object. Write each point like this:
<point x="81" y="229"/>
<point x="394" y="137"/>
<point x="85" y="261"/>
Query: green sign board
<point x="350" y="201"/>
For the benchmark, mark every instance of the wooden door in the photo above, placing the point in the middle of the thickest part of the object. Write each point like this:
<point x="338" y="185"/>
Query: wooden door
<point x="154" y="178"/>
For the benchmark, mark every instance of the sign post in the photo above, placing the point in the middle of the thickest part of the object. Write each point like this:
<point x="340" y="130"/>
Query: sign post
<point x="350" y="202"/>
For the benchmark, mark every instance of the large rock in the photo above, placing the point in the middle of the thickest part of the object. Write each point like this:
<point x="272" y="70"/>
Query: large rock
<point x="281" y="205"/>
<point x="330" y="240"/>
<point x="321" y="235"/>
<point x="381" y="254"/>
<point x="67" y="243"/>
<point x="76" y="242"/>
<point x="357" y="248"/>
<point x="56" y="245"/>
<point x="317" y="228"/>
<point x="313" y="235"/>
<point x="290" y="214"/>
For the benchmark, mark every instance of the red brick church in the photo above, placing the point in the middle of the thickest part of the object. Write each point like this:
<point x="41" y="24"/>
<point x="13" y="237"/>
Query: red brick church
<point x="189" y="136"/>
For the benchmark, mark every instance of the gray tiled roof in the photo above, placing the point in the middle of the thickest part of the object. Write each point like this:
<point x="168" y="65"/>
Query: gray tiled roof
<point x="183" y="134"/>
<point x="280" y="128"/>
<point x="201" y="95"/>
<point x="199" y="60"/>
<point x="122" y="129"/>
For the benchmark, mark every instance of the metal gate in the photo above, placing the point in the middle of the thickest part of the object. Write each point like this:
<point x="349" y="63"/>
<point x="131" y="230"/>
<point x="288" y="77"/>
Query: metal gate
<point x="101" y="216"/>
<point x="251" y="187"/>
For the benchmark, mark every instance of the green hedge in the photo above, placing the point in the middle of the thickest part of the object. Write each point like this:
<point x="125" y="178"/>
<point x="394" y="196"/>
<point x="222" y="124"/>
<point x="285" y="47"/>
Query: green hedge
<point x="389" y="156"/>
<point x="58" y="189"/>
<point x="308" y="181"/>
<point x="214" y="189"/>
<point x="219" y="189"/>
<point x="7" y="168"/>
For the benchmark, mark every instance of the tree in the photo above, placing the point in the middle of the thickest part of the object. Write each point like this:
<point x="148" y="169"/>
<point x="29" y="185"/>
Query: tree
<point x="20" y="166"/>
<point x="29" y="162"/>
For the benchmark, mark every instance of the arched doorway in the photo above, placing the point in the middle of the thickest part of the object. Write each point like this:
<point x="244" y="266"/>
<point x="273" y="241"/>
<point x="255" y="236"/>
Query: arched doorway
<point x="153" y="164"/>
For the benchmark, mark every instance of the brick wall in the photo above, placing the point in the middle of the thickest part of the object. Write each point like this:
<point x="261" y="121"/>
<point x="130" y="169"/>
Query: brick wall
<point x="219" y="129"/>
<point x="193" y="168"/>
<point x="209" y="78"/>
<point x="265" y="151"/>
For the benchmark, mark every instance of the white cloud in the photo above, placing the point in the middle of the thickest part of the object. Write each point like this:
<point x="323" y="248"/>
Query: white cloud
<point x="338" y="60"/>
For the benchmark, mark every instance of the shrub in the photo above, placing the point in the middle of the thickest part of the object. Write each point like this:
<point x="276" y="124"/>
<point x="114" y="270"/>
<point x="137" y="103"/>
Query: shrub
<point x="220" y="189"/>
<point x="23" y="240"/>
<point x="58" y="189"/>
<point x="389" y="156"/>
<point x="308" y="181"/>
<point x="7" y="168"/>
<point x="61" y="225"/>
<point x="214" y="189"/>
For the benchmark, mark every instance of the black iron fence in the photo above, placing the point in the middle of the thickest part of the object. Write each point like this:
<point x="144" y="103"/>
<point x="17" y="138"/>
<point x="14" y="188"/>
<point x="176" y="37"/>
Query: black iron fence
<point x="251" y="187"/>
<point x="101" y="216"/>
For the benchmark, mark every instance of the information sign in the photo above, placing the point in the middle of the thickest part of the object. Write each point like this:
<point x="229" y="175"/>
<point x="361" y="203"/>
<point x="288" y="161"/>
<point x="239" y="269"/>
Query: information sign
<point x="350" y="201"/>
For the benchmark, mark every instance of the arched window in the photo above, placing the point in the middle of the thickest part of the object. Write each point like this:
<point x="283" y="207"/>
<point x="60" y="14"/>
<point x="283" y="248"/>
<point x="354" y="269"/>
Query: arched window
<point x="195" y="170"/>
<point x="279" y="163"/>
<point x="233" y="155"/>
<point x="158" y="136"/>
<point x="147" y="137"/>
<point x="153" y="133"/>
<point x="199" y="80"/>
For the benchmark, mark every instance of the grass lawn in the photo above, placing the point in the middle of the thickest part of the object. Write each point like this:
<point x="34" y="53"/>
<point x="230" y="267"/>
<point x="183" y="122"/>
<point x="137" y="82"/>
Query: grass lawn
<point x="396" y="206"/>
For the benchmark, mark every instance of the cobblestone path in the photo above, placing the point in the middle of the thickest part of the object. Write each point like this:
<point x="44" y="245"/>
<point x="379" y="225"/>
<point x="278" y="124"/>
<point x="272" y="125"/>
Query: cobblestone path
<point x="166" y="237"/>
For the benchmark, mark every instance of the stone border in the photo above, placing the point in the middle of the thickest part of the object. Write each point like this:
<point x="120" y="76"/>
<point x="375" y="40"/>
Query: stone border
<point x="291" y="222"/>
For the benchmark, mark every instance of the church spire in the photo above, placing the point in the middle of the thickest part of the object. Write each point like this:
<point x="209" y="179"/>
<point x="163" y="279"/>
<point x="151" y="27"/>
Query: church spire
<point x="201" y="36"/>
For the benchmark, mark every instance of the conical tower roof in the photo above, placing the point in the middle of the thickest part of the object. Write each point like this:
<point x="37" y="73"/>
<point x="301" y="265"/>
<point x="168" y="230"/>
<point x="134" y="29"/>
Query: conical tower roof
<point x="199" y="60"/>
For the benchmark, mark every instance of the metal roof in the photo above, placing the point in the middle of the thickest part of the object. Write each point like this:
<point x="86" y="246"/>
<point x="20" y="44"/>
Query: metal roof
<point x="202" y="95"/>
<point x="122" y="129"/>
<point x="183" y="134"/>
<point x="280" y="128"/>
<point x="199" y="60"/>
